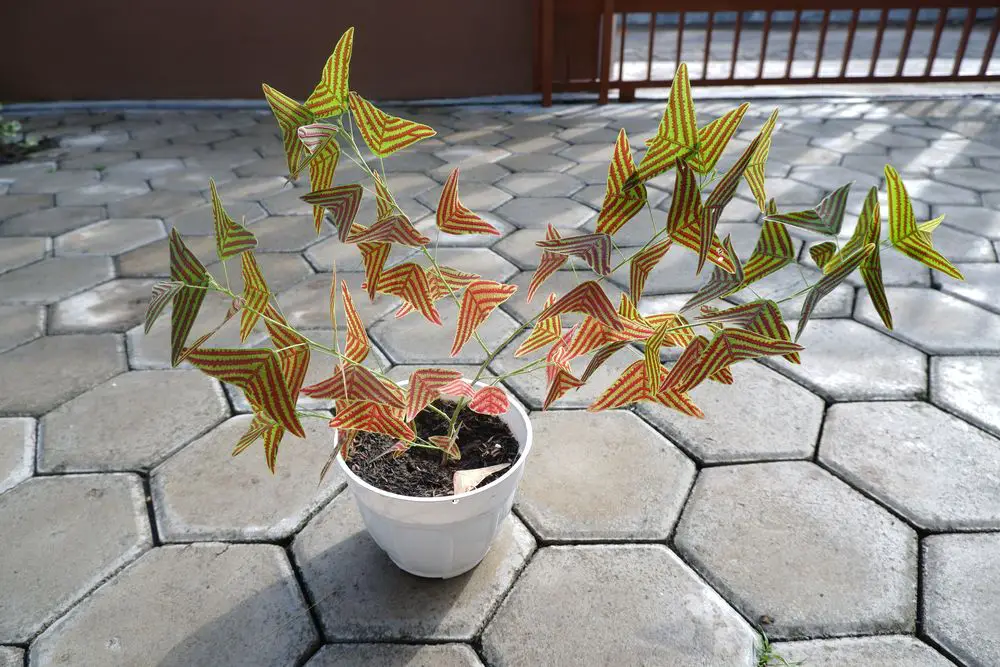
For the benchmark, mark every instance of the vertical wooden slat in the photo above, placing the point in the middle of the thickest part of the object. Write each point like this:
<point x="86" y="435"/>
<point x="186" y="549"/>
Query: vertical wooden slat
<point x="736" y="44"/>
<point x="766" y="33"/>
<point x="548" y="37"/>
<point x="708" y="44"/>
<point x="621" y="47"/>
<point x="852" y="27"/>
<point x="911" y="23"/>
<point x="963" y="42"/>
<point x="877" y="49"/>
<point x="680" y="38"/>
<point x="936" y="40"/>
<point x="650" y="46"/>
<point x="607" y="30"/>
<point x="991" y="44"/>
<point x="823" y="28"/>
<point x="793" y="42"/>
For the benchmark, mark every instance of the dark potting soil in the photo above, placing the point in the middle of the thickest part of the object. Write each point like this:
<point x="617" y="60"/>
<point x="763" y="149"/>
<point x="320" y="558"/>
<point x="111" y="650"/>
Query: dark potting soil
<point x="484" y="440"/>
<point x="11" y="153"/>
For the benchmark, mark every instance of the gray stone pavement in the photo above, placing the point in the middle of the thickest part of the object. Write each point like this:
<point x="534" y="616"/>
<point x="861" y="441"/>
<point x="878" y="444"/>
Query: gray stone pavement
<point x="848" y="506"/>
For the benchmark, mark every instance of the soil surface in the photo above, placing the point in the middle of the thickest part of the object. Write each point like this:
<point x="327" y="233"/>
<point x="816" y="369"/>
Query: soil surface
<point x="11" y="153"/>
<point x="484" y="440"/>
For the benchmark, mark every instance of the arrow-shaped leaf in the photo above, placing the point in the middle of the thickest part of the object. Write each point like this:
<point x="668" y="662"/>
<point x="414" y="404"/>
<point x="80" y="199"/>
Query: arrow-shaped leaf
<point x="453" y="217"/>
<point x="904" y="233"/>
<point x="329" y="98"/>
<point x="481" y="298"/>
<point x="385" y="134"/>
<point x="594" y="249"/>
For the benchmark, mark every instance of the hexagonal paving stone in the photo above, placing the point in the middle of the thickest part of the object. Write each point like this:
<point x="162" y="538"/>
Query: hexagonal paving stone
<point x="11" y="656"/>
<point x="362" y="596"/>
<point x="332" y="251"/>
<point x="281" y="270"/>
<point x="226" y="605"/>
<point x="12" y="205"/>
<point x="19" y="324"/>
<point x="109" y="237"/>
<point x="485" y="172"/>
<point x="198" y="221"/>
<point x="519" y="248"/>
<point x="153" y="260"/>
<point x="530" y="162"/>
<point x="117" y="305"/>
<point x="790" y="280"/>
<point x="635" y="480"/>
<point x="52" y="221"/>
<point x="104" y="192"/>
<point x="791" y="542"/>
<point x="934" y="469"/>
<point x="53" y="555"/>
<point x="481" y="261"/>
<point x="540" y="185"/>
<point x="145" y="168"/>
<point x="15" y="253"/>
<point x="59" y="368"/>
<point x="54" y="181"/>
<point x="935" y="322"/>
<point x="167" y="409"/>
<point x="543" y="211"/>
<point x="973" y="219"/>
<point x="395" y="655"/>
<point x="288" y="233"/>
<point x="762" y="416"/>
<point x="596" y="604"/>
<point x="584" y="152"/>
<point x="847" y="361"/>
<point x="190" y="180"/>
<point x="467" y="156"/>
<point x="962" y="595"/>
<point x="17" y="451"/>
<point x="414" y="340"/>
<point x="307" y="304"/>
<point x="674" y="274"/>
<point x="476" y="196"/>
<point x="890" y="651"/>
<point x="981" y="285"/>
<point x="200" y="493"/>
<point x="155" y="205"/>
<point x="967" y="386"/>
<point x="53" y="279"/>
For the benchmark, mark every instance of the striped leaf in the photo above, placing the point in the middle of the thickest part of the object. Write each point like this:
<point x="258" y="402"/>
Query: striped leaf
<point x="642" y="264"/>
<point x="829" y="282"/>
<point x="374" y="257"/>
<point x="562" y="380"/>
<point x="201" y="340"/>
<point x="548" y="264"/>
<point x="774" y="251"/>
<point x="762" y="317"/>
<point x="680" y="374"/>
<point x="599" y="358"/>
<point x="322" y="166"/>
<point x="594" y="249"/>
<point x="385" y="134"/>
<point x="490" y="401"/>
<point x="394" y="229"/>
<point x="409" y="282"/>
<point x="372" y="418"/>
<point x="458" y="388"/>
<point x="682" y="333"/>
<point x="822" y="253"/>
<point x="293" y="352"/>
<point x="591" y="335"/>
<point x="443" y="281"/>
<point x="383" y="198"/>
<point x="651" y="356"/>
<point x="261" y="427"/>
<point x="677" y="135"/>
<point x="717" y="201"/>
<point x="587" y="298"/>
<point x="558" y="355"/>
<point x="230" y="238"/>
<point x="545" y="332"/>
<point x="447" y="444"/>
<point x="677" y="400"/>
<point x="721" y="283"/>
<point x="329" y="98"/>
<point x="623" y="198"/>
<point x="727" y="347"/>
<point x="713" y="139"/>
<point x="184" y="268"/>
<point x="481" y="298"/>
<point x="425" y="387"/>
<point x="453" y="217"/>
<point x="826" y="218"/>
<point x="630" y="387"/>
<point x="315" y="136"/>
<point x="290" y="116"/>
<point x="353" y="382"/>
<point x="256" y="295"/>
<point x="258" y="373"/>
<point x="342" y="202"/>
<point x="754" y="172"/>
<point x="634" y="325"/>
<point x="684" y="219"/>
<point x="357" y="346"/>
<point x="906" y="236"/>
<point x="163" y="291"/>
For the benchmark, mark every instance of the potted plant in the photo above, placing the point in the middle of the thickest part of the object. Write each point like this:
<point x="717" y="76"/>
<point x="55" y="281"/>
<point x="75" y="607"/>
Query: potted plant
<point x="434" y="462"/>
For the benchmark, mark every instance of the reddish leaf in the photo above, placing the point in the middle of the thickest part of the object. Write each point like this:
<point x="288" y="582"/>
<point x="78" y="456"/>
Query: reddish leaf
<point x="458" y="387"/>
<point x="717" y="201"/>
<point x="394" y="229"/>
<point x="642" y="264"/>
<point x="256" y="295"/>
<point x="374" y="257"/>
<point x="621" y="201"/>
<point x="184" y="268"/>
<point x="630" y="387"/>
<point x="481" y="298"/>
<point x="560" y="382"/>
<point x="544" y="332"/>
<point x="685" y="218"/>
<point x="587" y="298"/>
<point x="713" y="139"/>
<point x="372" y="418"/>
<point x="453" y="217"/>
<point x="409" y="282"/>
<point x="755" y="169"/>
<point x="721" y="283"/>
<point x="357" y="347"/>
<point x="352" y="382"/>
<point x="594" y="249"/>
<point x="230" y="238"/>
<point x="342" y="202"/>
<point x="425" y="387"/>
<point x="548" y="264"/>
<point x="601" y="356"/>
<point x="448" y="445"/>
<point x="163" y="291"/>
<point x="490" y="401"/>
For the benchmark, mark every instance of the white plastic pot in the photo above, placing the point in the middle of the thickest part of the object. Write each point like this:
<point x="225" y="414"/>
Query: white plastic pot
<point x="446" y="536"/>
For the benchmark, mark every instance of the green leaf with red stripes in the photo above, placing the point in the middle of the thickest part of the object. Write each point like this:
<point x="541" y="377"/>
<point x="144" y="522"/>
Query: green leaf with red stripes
<point x="762" y="317"/>
<point x="425" y="387"/>
<point x="322" y="165"/>
<point x="587" y="298"/>
<point x="447" y="444"/>
<point x="453" y="217"/>
<point x="342" y="202"/>
<point x="717" y="201"/>
<point x="184" y="268"/>
<point x="394" y="229"/>
<point x="684" y="219"/>
<point x="353" y="382"/>
<point x="713" y="139"/>
<point x="721" y="283"/>
<point x="357" y="346"/>
<point x="372" y="418"/>
<point x="774" y="251"/>
<point x="594" y="249"/>
<point x="374" y="257"/>
<point x="826" y="218"/>
<point x="290" y="116"/>
<point x="906" y="236"/>
<point x="822" y="253"/>
<point x="230" y="238"/>
<point x="293" y="350"/>
<point x="545" y="332"/>
<point x="256" y="295"/>
<point x="385" y="134"/>
<point x="490" y="401"/>
<point x="728" y="346"/>
<point x="623" y="198"/>
<point x="642" y="264"/>
<point x="677" y="135"/>
<point x="272" y="434"/>
<point x="549" y="263"/>
<point x="258" y="373"/>
<point x="561" y="380"/>
<point x="163" y="292"/>
<point x="409" y="282"/>
<point x="754" y="173"/>
<point x="481" y="298"/>
<point x="329" y="98"/>
<point x="829" y="282"/>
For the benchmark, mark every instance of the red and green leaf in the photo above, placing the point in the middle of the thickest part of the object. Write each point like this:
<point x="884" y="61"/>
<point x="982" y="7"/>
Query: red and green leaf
<point x="754" y="173"/>
<point x="827" y="217"/>
<point x="372" y="418"/>
<point x="642" y="264"/>
<point x="329" y="98"/>
<point x="906" y="236"/>
<point x="425" y="387"/>
<point x="458" y="388"/>
<point x="481" y="298"/>
<point x="357" y="346"/>
<point x="684" y="219"/>
<point x="822" y="253"/>
<point x="409" y="282"/>
<point x="490" y="401"/>
<point x="717" y="201"/>
<point x="385" y="134"/>
<point x="163" y="291"/>
<point x="453" y="217"/>
<point x="545" y="331"/>
<point x="184" y="268"/>
<point x="721" y="283"/>
<point x="374" y="257"/>
<point x="623" y="198"/>
<point x="353" y="382"/>
<point x="447" y="444"/>
<point x="342" y="202"/>
<point x="713" y="139"/>
<point x="322" y="166"/>
<point x="230" y="238"/>
<point x="560" y="382"/>
<point x="394" y="229"/>
<point x="829" y="282"/>
<point x="677" y="135"/>
<point x="383" y="198"/>
<point x="290" y="116"/>
<point x="774" y="251"/>
<point x="587" y="298"/>
<point x="256" y="295"/>
<point x="594" y="249"/>
<point x="549" y="263"/>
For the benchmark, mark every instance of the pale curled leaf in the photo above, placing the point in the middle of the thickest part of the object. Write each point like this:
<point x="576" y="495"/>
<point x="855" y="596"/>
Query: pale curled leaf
<point x="467" y="480"/>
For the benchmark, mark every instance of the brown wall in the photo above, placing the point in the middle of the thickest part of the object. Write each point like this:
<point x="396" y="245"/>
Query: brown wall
<point x="186" y="49"/>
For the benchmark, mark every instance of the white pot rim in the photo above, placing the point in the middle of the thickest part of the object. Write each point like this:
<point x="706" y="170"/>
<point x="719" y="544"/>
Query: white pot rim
<point x="515" y="405"/>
